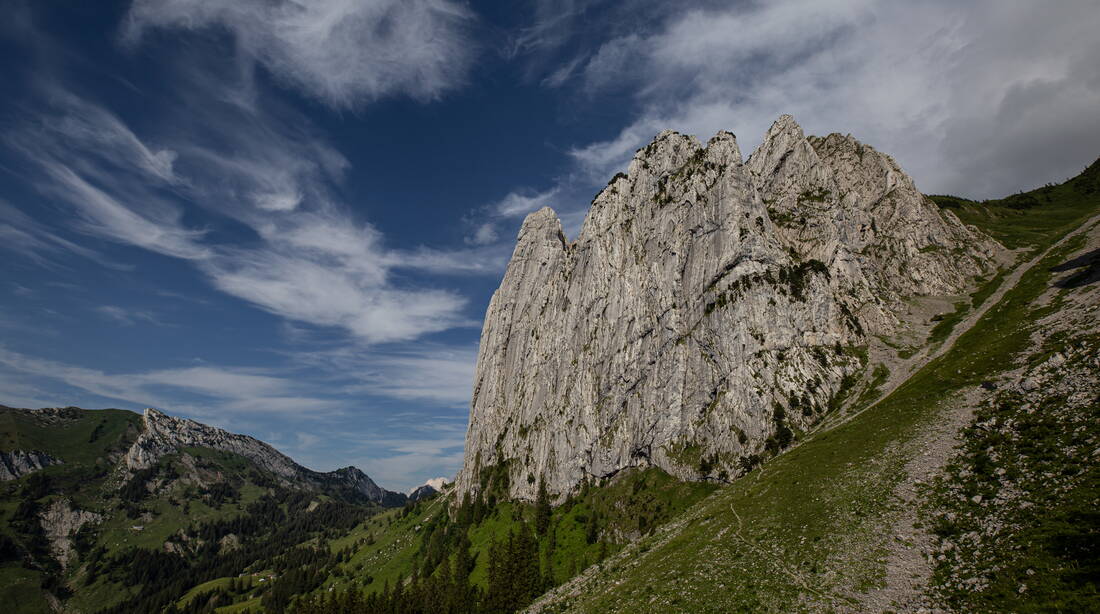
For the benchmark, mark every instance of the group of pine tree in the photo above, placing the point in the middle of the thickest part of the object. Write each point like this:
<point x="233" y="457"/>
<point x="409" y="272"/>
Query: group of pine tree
<point x="519" y="569"/>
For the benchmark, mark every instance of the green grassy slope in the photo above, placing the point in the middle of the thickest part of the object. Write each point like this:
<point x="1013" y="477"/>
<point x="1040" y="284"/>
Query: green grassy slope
<point x="84" y="439"/>
<point x="1015" y="512"/>
<point x="22" y="589"/>
<point x="219" y="513"/>
<point x="1031" y="219"/>
<point x="583" y="530"/>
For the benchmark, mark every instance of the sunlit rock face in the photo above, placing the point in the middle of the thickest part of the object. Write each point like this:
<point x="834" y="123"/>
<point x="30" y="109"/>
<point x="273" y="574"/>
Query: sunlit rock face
<point x="707" y="305"/>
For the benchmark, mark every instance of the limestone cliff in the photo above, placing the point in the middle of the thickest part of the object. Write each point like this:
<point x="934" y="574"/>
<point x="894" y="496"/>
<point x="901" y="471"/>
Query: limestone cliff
<point x="837" y="200"/>
<point x="708" y="308"/>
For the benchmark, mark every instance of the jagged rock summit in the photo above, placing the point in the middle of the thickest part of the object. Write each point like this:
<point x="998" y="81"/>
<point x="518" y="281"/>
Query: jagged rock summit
<point x="163" y="434"/>
<point x="709" y="307"/>
<point x="428" y="489"/>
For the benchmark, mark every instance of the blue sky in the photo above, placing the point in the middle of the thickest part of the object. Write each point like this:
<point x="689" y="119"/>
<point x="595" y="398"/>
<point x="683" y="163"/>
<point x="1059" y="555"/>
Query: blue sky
<point x="287" y="219"/>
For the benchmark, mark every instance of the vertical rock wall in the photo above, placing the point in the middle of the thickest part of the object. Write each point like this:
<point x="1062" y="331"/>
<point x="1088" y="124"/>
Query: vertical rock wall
<point x="707" y="307"/>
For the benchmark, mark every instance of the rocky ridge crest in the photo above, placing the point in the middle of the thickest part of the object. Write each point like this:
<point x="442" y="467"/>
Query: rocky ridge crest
<point x="709" y="308"/>
<point x="163" y="434"/>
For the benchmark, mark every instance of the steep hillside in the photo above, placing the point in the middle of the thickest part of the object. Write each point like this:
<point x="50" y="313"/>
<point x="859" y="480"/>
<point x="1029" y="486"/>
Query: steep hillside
<point x="1027" y="220"/>
<point x="494" y="556"/>
<point x="109" y="510"/>
<point x="709" y="311"/>
<point x="971" y="487"/>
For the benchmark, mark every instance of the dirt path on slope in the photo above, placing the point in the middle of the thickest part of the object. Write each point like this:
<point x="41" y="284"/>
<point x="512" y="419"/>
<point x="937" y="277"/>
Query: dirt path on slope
<point x="907" y="566"/>
<point x="908" y="569"/>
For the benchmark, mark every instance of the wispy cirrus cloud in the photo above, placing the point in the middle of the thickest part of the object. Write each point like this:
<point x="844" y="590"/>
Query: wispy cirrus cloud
<point x="425" y="372"/>
<point x="127" y="317"/>
<point x="311" y="260"/>
<point x="411" y="462"/>
<point x="202" y="390"/>
<point x="83" y="155"/>
<point x="407" y="450"/>
<point x="554" y="26"/>
<point x="45" y="247"/>
<point x="344" y="52"/>
<point x="254" y="161"/>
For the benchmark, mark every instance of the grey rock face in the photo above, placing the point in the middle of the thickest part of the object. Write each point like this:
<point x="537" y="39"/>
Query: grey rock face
<point x="18" y="463"/>
<point x="839" y="201"/>
<point x="163" y="434"/>
<point x="707" y="305"/>
<point x="421" y="492"/>
<point x="353" y="478"/>
<point x="60" y="522"/>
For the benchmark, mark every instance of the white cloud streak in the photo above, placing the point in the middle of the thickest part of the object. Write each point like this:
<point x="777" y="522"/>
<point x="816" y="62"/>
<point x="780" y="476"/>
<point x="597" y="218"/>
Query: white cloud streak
<point x="488" y="220"/>
<point x="981" y="98"/>
<point x="224" y="389"/>
<point x="27" y="238"/>
<point x="426" y="372"/>
<point x="261" y="166"/>
<point x="127" y="317"/>
<point x="344" y="52"/>
<point x="432" y="446"/>
<point x="86" y="157"/>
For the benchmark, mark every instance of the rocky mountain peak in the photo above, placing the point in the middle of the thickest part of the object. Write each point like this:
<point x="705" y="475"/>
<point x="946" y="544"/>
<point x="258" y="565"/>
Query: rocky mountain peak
<point x="707" y="308"/>
<point x="437" y="483"/>
<point x="541" y="230"/>
<point x="783" y="138"/>
<point x="428" y="488"/>
<point x="785" y="158"/>
<point x="668" y="151"/>
<point x="163" y="434"/>
<point x="722" y="149"/>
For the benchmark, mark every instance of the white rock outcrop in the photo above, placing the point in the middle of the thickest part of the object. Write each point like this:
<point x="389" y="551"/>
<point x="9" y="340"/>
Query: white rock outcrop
<point x="60" y="522"/>
<point x="707" y="306"/>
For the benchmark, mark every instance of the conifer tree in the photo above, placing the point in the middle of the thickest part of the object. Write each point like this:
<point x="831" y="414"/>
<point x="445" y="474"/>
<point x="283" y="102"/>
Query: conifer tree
<point x="542" y="508"/>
